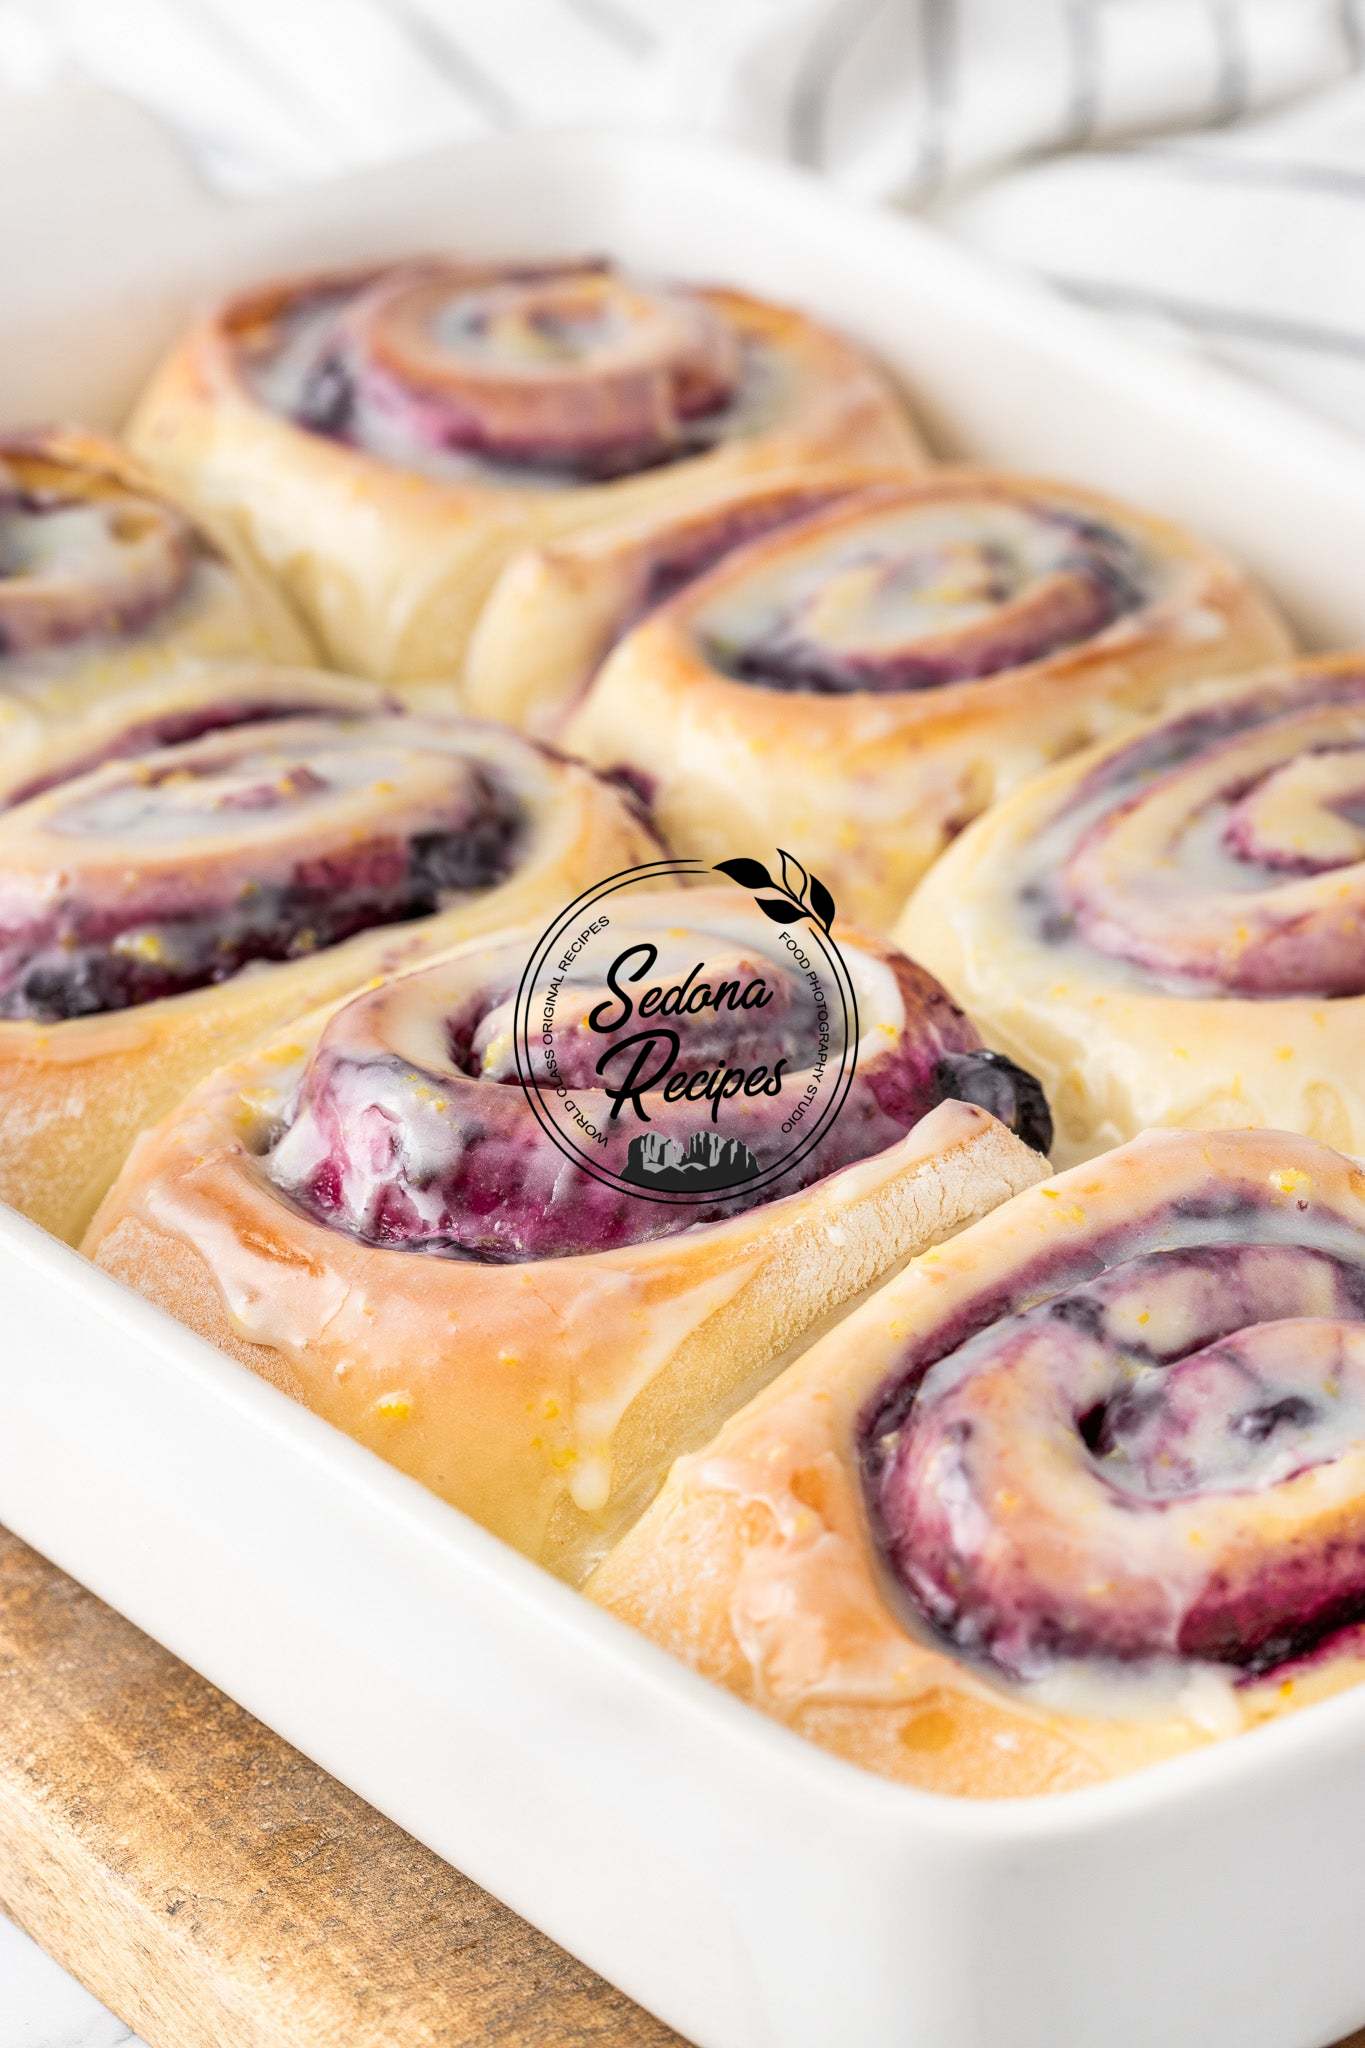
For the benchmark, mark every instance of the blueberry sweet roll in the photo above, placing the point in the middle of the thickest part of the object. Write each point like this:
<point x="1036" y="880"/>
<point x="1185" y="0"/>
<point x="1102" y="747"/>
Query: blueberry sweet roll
<point x="1079" y="1490"/>
<point x="381" y="441"/>
<point x="105" y="583"/>
<point x="1171" y="928"/>
<point x="860" y="668"/>
<point x="171" y="891"/>
<point x="530" y="1249"/>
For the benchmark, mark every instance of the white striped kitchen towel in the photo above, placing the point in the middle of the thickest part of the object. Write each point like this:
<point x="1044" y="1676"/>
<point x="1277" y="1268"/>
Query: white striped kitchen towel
<point x="1195" y="164"/>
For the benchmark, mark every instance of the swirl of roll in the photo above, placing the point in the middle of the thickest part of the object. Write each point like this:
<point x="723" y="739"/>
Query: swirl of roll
<point x="556" y="611"/>
<point x="184" y="702"/>
<point x="381" y="441"/>
<point x="1081" y="1489"/>
<point x="1171" y="928"/>
<point x="103" y="582"/>
<point x="248" y="844"/>
<point x="862" y="666"/>
<point x="372" y="1213"/>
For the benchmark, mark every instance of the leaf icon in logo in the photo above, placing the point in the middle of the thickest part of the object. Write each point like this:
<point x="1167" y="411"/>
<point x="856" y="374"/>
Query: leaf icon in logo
<point x="750" y="874"/>
<point x="807" y="893"/>
<point x="780" y="909"/>
<point x="794" y="876"/>
<point x="822" y="903"/>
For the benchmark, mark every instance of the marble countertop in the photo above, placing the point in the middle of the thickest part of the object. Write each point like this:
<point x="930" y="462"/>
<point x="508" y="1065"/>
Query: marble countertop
<point x="42" y="2007"/>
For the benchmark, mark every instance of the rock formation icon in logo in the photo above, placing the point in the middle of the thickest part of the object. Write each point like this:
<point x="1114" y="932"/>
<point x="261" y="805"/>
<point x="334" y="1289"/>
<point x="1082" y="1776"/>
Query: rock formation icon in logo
<point x="708" y="1160"/>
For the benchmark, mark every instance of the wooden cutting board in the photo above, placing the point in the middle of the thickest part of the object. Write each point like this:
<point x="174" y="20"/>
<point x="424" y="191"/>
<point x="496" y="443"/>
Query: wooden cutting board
<point x="217" y="1890"/>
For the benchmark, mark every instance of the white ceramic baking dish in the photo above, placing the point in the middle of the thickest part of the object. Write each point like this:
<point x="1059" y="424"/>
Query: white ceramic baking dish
<point x="745" y="1886"/>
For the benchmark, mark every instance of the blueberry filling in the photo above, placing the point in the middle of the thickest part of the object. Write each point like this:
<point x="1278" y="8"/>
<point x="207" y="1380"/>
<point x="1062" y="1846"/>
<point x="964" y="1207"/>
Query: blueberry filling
<point x="638" y="787"/>
<point x="327" y="401"/>
<point x="174" y="728"/>
<point x="453" y="1162"/>
<point x="1083" y="1478"/>
<point x="1189" y="858"/>
<point x="963" y="620"/>
<point x="1008" y="1091"/>
<point x="78" y="562"/>
<point x="567" y="375"/>
<point x="702" y="546"/>
<point x="84" y="955"/>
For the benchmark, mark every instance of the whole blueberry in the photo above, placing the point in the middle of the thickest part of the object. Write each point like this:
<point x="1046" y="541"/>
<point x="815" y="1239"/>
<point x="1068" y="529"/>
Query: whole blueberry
<point x="1008" y="1091"/>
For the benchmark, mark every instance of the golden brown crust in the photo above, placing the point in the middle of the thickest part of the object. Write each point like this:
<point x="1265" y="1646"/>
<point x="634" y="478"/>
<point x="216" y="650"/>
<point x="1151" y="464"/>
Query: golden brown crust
<point x="390" y="566"/>
<point x="867" y="785"/>
<point x="756" y="1563"/>
<point x="546" y="1397"/>
<point x="74" y="1094"/>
